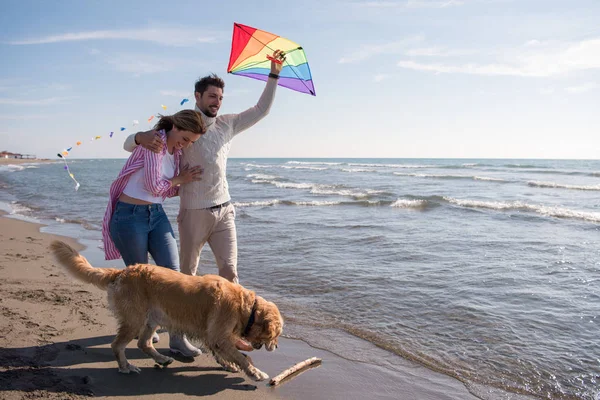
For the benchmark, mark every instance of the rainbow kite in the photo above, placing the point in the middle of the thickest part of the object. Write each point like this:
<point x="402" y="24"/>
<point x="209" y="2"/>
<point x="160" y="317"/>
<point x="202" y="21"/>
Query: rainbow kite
<point x="250" y="52"/>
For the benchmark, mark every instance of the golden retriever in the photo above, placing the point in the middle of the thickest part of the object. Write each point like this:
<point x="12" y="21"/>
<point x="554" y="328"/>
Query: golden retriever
<point x="223" y="315"/>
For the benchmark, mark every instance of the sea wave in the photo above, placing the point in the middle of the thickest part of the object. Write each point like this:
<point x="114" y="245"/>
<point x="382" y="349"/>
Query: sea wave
<point x="314" y="163"/>
<point x="304" y="168"/>
<point x="554" y="185"/>
<point x="548" y="211"/>
<point x="11" y="168"/>
<point x="446" y="176"/>
<point x="326" y="190"/>
<point x="263" y="176"/>
<point x="266" y="203"/>
<point x="411" y="166"/>
<point x="407" y="203"/>
<point x="357" y="170"/>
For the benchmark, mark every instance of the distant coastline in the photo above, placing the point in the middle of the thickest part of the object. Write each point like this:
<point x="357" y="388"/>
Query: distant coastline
<point x="7" y="161"/>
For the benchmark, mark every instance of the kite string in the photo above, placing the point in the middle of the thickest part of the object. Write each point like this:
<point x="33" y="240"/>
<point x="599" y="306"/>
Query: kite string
<point x="71" y="174"/>
<point x="65" y="153"/>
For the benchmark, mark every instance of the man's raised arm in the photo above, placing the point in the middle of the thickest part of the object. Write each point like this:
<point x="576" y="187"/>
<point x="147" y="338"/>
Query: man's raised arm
<point x="251" y="116"/>
<point x="149" y="140"/>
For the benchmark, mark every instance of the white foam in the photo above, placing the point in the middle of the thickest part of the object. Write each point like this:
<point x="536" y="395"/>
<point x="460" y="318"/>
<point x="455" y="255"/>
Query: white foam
<point x="405" y="203"/>
<point x="266" y="203"/>
<point x="263" y="176"/>
<point x="257" y="166"/>
<point x="448" y="176"/>
<point x="357" y="170"/>
<point x="313" y="163"/>
<point x="391" y="165"/>
<point x="562" y="186"/>
<point x="11" y="168"/>
<point x="316" y="203"/>
<point x="486" y="178"/>
<point x="549" y="211"/>
<point x="305" y="167"/>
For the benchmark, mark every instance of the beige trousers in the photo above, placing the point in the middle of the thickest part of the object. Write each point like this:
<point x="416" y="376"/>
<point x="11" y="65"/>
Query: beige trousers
<point x="217" y="227"/>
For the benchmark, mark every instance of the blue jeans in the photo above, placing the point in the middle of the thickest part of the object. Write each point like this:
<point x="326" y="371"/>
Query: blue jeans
<point x="139" y="229"/>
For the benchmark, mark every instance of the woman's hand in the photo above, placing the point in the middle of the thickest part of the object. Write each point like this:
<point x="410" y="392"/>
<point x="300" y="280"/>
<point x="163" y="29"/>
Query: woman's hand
<point x="187" y="175"/>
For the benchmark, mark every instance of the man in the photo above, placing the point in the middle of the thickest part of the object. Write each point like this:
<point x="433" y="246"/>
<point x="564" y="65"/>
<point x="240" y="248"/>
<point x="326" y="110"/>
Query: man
<point x="206" y="214"/>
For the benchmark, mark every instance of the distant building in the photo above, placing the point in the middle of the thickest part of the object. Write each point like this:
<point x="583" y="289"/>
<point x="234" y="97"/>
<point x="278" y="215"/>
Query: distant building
<point x="8" y="154"/>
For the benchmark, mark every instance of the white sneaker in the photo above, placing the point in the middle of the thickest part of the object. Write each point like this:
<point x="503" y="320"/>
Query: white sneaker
<point x="179" y="344"/>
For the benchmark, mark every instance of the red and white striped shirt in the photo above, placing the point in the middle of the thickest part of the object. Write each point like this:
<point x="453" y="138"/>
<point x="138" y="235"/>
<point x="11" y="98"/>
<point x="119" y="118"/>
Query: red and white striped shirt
<point x="153" y="182"/>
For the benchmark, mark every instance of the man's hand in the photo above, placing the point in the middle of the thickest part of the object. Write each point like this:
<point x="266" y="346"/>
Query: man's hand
<point x="149" y="140"/>
<point x="276" y="67"/>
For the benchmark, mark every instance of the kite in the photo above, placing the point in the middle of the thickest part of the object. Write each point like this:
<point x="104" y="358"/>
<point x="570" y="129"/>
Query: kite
<point x="135" y="122"/>
<point x="112" y="133"/>
<point x="184" y="101"/>
<point x="122" y="129"/>
<point x="251" y="51"/>
<point x="151" y="117"/>
<point x="163" y="106"/>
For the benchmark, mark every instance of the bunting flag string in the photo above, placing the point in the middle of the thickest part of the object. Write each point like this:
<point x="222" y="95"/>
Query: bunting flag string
<point x="63" y="155"/>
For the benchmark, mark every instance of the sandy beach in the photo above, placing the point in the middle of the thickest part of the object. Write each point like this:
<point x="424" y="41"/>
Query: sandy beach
<point x="17" y="161"/>
<point x="55" y="336"/>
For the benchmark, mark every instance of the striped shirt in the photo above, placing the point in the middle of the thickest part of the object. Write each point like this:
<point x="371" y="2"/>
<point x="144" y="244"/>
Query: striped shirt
<point x="153" y="182"/>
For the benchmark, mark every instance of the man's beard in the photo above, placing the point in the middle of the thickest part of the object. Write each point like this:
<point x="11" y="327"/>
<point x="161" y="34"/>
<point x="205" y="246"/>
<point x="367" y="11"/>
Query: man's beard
<point x="209" y="113"/>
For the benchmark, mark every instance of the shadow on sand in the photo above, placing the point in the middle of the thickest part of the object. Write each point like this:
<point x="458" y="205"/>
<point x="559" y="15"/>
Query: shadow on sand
<point x="53" y="368"/>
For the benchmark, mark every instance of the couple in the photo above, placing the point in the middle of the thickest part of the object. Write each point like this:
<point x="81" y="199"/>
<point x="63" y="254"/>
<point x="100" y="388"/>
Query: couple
<point x="185" y="155"/>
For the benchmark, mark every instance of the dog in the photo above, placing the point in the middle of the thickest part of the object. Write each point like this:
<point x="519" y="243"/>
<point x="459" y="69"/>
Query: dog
<point x="224" y="316"/>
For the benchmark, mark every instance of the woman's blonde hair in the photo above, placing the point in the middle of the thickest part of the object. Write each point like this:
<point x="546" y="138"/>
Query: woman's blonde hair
<point x="185" y="120"/>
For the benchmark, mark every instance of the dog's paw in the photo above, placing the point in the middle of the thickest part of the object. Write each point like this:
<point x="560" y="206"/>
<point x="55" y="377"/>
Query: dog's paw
<point x="129" y="369"/>
<point x="230" y="367"/>
<point x="259" y="376"/>
<point x="164" y="361"/>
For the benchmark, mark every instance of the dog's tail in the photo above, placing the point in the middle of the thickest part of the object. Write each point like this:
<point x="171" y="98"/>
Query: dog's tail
<point x="80" y="268"/>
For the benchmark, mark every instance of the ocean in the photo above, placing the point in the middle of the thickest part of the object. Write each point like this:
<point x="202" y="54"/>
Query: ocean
<point x="484" y="270"/>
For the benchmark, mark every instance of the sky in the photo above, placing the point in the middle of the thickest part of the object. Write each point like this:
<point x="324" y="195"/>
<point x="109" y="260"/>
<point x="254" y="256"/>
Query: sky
<point x="393" y="79"/>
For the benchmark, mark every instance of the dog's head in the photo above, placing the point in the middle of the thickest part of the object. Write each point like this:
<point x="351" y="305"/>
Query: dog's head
<point x="267" y="326"/>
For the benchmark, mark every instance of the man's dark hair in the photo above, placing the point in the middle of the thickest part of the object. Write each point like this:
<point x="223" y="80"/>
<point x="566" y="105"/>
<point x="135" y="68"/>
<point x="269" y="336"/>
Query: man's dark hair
<point x="211" y="80"/>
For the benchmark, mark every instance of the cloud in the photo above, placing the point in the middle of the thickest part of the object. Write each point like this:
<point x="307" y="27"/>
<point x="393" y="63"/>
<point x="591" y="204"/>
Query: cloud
<point x="380" y="77"/>
<point x="141" y="64"/>
<point x="437" y="52"/>
<point x="586" y="87"/>
<point x="412" y="4"/>
<point x="534" y="59"/>
<point x="37" y="102"/>
<point x="163" y="36"/>
<point x="367" y="51"/>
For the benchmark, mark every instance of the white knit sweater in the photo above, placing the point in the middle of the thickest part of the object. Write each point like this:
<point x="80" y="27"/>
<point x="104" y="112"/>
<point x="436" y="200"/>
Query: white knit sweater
<point x="212" y="149"/>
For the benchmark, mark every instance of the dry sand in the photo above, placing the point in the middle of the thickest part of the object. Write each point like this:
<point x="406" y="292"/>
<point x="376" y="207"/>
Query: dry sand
<point x="55" y="336"/>
<point x="16" y="161"/>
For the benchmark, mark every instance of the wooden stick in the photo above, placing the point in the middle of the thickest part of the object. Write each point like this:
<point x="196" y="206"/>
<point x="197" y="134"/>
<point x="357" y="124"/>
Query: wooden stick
<point x="300" y="366"/>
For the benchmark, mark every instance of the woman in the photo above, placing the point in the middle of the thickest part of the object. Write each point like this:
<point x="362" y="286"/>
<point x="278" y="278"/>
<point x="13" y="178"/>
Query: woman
<point x="135" y="223"/>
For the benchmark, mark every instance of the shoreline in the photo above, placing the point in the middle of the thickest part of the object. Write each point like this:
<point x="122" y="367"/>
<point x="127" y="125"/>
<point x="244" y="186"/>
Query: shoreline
<point x="56" y="338"/>
<point x="16" y="161"/>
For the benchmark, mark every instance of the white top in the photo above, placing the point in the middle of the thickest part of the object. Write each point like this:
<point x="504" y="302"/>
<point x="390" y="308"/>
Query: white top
<point x="211" y="151"/>
<point x="135" y="186"/>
